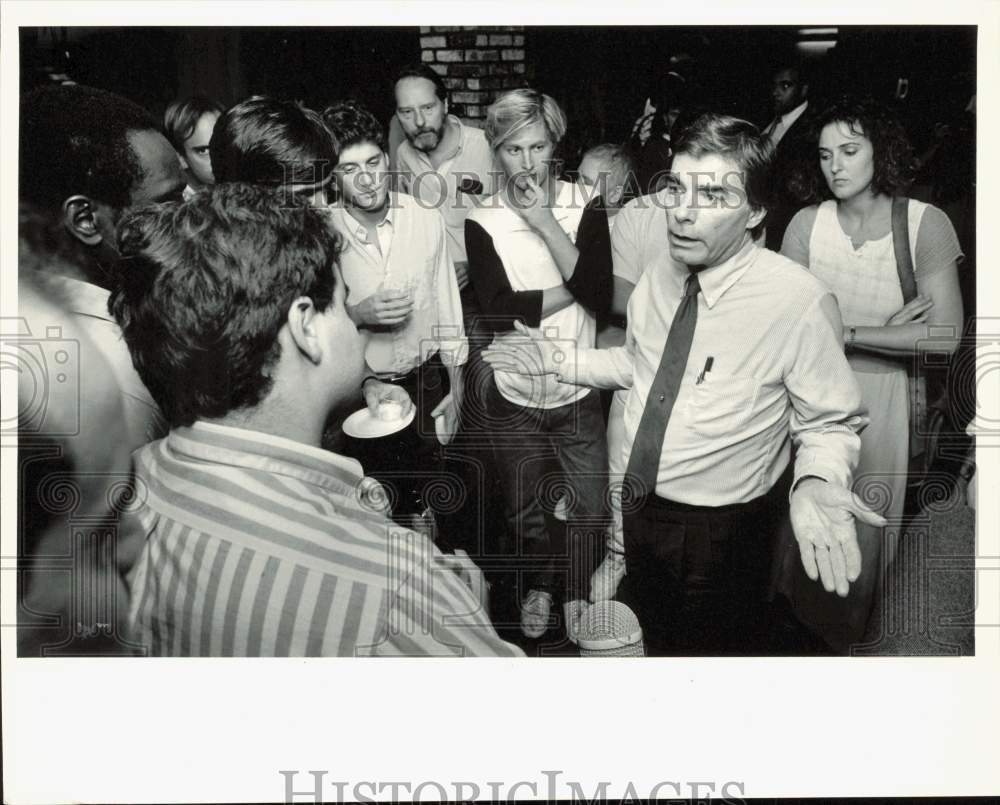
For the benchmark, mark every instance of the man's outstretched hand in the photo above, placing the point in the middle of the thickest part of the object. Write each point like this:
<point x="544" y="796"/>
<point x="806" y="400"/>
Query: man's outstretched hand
<point x="525" y="354"/>
<point x="823" y="522"/>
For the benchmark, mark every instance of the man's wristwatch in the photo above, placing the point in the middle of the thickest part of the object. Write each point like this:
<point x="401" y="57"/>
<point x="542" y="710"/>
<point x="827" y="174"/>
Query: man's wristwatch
<point x="849" y="346"/>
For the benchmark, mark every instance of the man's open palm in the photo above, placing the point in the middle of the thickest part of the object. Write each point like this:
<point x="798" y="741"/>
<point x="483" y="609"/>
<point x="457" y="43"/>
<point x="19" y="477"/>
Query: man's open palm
<point x="823" y="522"/>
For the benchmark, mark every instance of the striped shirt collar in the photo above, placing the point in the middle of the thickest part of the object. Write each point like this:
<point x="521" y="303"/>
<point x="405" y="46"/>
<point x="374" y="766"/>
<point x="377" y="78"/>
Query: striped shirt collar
<point x="250" y="449"/>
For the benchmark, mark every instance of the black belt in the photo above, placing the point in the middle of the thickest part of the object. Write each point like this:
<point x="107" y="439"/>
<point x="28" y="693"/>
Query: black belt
<point x="411" y="375"/>
<point x="433" y="363"/>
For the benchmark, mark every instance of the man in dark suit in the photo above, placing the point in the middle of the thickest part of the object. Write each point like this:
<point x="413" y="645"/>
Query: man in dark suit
<point x="788" y="133"/>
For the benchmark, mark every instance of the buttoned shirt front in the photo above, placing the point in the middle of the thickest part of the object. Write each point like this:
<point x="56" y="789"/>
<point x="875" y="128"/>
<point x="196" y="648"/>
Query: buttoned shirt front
<point x="440" y="187"/>
<point x="383" y="234"/>
<point x="413" y="256"/>
<point x="766" y="369"/>
<point x="261" y="546"/>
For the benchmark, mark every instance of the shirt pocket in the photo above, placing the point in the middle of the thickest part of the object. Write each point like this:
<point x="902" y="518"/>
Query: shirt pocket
<point x="721" y="404"/>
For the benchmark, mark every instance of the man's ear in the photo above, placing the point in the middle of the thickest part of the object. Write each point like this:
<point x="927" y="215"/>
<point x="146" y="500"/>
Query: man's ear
<point x="80" y="217"/>
<point x="303" y="324"/>
<point x="757" y="214"/>
<point x="445" y="106"/>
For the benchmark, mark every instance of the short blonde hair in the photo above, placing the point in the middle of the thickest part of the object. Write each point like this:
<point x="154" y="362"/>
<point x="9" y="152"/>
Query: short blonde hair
<point x="520" y="108"/>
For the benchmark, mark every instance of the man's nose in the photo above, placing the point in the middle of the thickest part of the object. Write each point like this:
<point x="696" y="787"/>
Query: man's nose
<point x="419" y="118"/>
<point x="682" y="209"/>
<point x="527" y="163"/>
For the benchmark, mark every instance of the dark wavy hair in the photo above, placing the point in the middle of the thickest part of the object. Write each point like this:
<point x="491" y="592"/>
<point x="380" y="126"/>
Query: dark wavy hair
<point x="270" y="142"/>
<point x="893" y="153"/>
<point x="205" y="287"/>
<point x="350" y="123"/>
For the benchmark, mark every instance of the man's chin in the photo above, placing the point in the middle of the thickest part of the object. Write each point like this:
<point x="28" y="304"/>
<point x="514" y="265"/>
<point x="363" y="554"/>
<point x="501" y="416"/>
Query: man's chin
<point x="425" y="142"/>
<point x="692" y="258"/>
<point x="374" y="204"/>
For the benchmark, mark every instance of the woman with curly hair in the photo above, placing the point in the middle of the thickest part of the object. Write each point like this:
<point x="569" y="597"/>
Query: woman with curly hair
<point x="864" y="162"/>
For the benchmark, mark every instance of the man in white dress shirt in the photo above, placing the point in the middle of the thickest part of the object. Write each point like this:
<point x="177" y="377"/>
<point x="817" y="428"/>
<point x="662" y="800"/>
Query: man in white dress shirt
<point x="758" y="366"/>
<point x="400" y="288"/>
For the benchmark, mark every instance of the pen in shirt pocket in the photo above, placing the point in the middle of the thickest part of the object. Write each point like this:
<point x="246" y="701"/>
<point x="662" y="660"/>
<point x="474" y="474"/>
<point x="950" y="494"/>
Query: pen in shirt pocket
<point x="708" y="368"/>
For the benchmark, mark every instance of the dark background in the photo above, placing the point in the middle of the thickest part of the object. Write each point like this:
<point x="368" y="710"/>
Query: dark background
<point x="600" y="74"/>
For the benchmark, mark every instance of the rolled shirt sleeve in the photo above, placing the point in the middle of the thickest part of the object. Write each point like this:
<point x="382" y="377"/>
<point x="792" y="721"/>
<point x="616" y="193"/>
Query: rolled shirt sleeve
<point x="827" y="412"/>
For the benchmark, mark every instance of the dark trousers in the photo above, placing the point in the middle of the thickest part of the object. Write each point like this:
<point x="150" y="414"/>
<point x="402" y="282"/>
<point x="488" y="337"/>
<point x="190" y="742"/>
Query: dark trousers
<point x="698" y="575"/>
<point x="542" y="455"/>
<point x="409" y="464"/>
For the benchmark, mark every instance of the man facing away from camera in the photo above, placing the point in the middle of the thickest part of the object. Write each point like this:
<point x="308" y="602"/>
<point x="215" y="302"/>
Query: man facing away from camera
<point x="283" y="144"/>
<point x="732" y="354"/>
<point x="259" y="543"/>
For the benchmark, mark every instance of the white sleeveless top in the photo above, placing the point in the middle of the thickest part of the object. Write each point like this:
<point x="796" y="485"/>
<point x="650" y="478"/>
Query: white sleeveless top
<point x="530" y="266"/>
<point x="864" y="281"/>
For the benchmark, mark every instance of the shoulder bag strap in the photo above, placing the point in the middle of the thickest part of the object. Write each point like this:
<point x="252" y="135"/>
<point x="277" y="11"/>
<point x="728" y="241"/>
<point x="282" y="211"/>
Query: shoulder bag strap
<point x="901" y="246"/>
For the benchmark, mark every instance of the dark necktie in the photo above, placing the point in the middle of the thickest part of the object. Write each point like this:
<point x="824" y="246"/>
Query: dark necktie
<point x="644" y="460"/>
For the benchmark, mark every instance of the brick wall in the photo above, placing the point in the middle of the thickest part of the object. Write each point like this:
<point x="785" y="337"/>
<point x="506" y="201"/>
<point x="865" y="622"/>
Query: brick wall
<point x="476" y="63"/>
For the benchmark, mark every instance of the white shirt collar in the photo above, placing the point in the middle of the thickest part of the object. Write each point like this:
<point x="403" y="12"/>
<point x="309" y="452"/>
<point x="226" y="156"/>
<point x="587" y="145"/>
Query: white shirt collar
<point x="715" y="281"/>
<point x="349" y="223"/>
<point x="790" y="117"/>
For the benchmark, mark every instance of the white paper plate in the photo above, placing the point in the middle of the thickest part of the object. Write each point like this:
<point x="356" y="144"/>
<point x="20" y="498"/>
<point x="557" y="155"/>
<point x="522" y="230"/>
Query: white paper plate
<point x="362" y="425"/>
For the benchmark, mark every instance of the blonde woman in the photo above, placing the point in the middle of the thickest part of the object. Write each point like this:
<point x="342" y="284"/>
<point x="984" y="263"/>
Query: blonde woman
<point x="540" y="260"/>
